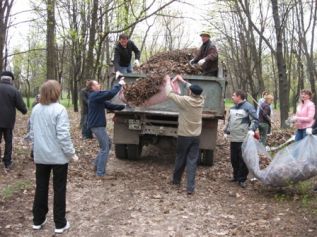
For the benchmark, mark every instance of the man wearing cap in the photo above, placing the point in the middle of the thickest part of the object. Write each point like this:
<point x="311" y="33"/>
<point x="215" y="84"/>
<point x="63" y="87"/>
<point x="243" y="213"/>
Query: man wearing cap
<point x="123" y="54"/>
<point x="207" y="57"/>
<point x="189" y="129"/>
<point x="10" y="100"/>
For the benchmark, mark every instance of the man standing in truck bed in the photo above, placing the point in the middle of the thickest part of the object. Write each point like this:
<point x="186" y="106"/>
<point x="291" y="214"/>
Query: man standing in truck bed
<point x="207" y="57"/>
<point x="189" y="129"/>
<point x="123" y="54"/>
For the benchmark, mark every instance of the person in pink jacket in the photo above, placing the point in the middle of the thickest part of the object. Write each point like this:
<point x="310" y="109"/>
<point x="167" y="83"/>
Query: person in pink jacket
<point x="305" y="114"/>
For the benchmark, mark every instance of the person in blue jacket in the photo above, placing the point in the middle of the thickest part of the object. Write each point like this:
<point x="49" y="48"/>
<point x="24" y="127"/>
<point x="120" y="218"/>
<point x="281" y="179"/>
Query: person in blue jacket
<point x="98" y="102"/>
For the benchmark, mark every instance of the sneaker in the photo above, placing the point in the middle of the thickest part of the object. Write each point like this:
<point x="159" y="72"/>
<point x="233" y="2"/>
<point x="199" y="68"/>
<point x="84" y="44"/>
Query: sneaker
<point x="189" y="193"/>
<point x="61" y="230"/>
<point x="38" y="227"/>
<point x="242" y="184"/>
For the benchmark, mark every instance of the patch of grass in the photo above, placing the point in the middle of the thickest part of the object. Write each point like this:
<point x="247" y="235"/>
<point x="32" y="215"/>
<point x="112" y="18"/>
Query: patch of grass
<point x="228" y="103"/>
<point x="301" y="192"/>
<point x="19" y="186"/>
<point x="281" y="197"/>
<point x="65" y="102"/>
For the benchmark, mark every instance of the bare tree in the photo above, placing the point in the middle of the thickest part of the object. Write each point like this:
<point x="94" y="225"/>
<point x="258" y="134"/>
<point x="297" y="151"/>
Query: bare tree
<point x="5" y="9"/>
<point x="50" y="40"/>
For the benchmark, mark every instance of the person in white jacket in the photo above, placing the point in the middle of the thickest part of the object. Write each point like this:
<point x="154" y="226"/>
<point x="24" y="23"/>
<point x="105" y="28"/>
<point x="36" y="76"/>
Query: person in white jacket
<point x="53" y="149"/>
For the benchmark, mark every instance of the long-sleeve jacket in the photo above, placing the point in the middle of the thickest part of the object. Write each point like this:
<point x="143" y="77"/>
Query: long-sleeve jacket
<point x="84" y="93"/>
<point x="49" y="132"/>
<point x="122" y="56"/>
<point x="10" y="100"/>
<point x="190" y="113"/>
<point x="265" y="113"/>
<point x="208" y="51"/>
<point x="305" y="113"/>
<point x="242" y="118"/>
<point x="97" y="103"/>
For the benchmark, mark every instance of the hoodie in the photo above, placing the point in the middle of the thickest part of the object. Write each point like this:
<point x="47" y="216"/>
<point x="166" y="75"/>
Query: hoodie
<point x="190" y="114"/>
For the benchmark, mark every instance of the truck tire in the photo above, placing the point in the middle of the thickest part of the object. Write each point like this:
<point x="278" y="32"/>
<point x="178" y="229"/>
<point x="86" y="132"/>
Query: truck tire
<point x="121" y="151"/>
<point x="134" y="151"/>
<point x="206" y="158"/>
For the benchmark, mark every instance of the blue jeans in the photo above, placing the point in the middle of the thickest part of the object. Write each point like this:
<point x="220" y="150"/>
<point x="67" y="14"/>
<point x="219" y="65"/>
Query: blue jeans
<point x="127" y="69"/>
<point x="187" y="153"/>
<point x="300" y="134"/>
<point x="105" y="145"/>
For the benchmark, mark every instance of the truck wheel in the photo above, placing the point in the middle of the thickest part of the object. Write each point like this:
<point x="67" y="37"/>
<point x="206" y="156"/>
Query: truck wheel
<point x="121" y="151"/>
<point x="206" y="158"/>
<point x="134" y="151"/>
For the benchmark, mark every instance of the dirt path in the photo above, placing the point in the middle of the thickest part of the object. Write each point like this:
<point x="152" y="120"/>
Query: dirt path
<point x="140" y="202"/>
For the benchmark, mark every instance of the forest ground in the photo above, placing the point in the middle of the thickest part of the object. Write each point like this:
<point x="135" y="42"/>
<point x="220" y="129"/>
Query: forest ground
<point x="140" y="202"/>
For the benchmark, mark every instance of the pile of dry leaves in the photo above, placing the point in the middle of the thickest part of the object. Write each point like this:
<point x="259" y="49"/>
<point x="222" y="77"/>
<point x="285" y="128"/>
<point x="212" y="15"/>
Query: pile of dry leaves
<point x="165" y="63"/>
<point x="279" y="137"/>
<point x="141" y="90"/>
<point x="170" y="62"/>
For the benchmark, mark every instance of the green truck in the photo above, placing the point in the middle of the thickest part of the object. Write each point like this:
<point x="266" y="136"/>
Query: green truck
<point x="137" y="127"/>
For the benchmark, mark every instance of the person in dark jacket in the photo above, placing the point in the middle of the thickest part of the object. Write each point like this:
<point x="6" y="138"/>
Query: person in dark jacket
<point x="265" y="118"/>
<point x="83" y="96"/>
<point x="97" y="103"/>
<point x="10" y="100"/>
<point x="207" y="57"/>
<point x="242" y="121"/>
<point x="123" y="54"/>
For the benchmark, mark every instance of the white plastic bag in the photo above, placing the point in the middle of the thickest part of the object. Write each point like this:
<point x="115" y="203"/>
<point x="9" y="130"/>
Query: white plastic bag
<point x="294" y="163"/>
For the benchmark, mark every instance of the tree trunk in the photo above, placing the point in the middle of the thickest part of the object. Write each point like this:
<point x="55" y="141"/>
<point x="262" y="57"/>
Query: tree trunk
<point x="89" y="66"/>
<point x="281" y="67"/>
<point x="5" y="10"/>
<point x="50" y="41"/>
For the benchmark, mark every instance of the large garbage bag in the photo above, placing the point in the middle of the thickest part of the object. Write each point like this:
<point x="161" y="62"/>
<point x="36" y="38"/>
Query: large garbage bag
<point x="294" y="163"/>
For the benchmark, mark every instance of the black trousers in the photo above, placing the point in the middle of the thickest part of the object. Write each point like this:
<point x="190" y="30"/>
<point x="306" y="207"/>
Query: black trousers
<point x="40" y="205"/>
<point x="240" y="170"/>
<point x="7" y="134"/>
<point x="187" y="153"/>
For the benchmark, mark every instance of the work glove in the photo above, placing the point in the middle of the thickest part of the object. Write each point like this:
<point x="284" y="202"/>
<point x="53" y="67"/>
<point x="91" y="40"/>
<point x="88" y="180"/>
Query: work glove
<point x="293" y="119"/>
<point x="118" y="74"/>
<point x="251" y="133"/>
<point x="201" y="62"/>
<point x="309" y="131"/>
<point x="191" y="62"/>
<point x="121" y="81"/>
<point x="168" y="86"/>
<point x="137" y="63"/>
<point x="267" y="148"/>
<point x="225" y="136"/>
<point x="75" y="158"/>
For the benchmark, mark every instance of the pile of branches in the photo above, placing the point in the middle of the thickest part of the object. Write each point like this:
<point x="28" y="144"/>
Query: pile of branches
<point x="164" y="63"/>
